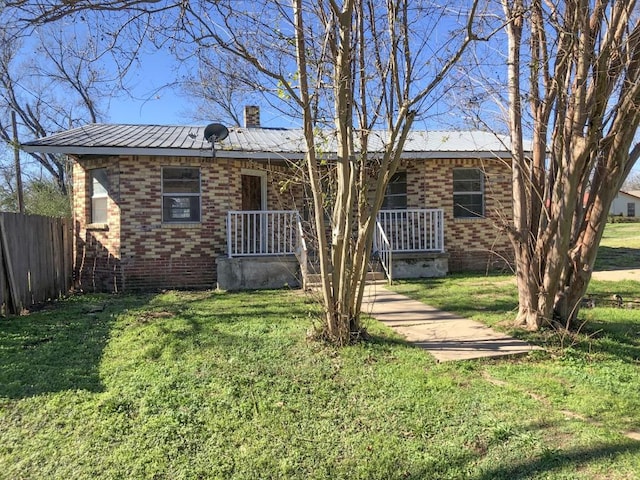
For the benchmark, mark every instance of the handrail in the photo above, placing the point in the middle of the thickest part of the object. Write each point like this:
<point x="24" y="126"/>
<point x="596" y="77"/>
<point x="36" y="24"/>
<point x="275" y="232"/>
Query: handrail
<point x="382" y="247"/>
<point x="302" y="253"/>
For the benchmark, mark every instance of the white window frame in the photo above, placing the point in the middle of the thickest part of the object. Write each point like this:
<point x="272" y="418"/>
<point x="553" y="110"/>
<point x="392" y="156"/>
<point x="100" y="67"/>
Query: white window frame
<point x="102" y="196"/>
<point x="480" y="193"/>
<point x="182" y="195"/>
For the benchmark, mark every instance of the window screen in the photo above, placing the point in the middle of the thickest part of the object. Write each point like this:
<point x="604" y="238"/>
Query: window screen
<point x="395" y="197"/>
<point x="99" y="195"/>
<point x="468" y="193"/>
<point x="180" y="194"/>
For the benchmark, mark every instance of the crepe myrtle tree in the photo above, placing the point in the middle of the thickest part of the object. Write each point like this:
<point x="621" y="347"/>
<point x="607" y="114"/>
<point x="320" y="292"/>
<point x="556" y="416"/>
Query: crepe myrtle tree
<point x="363" y="69"/>
<point x="573" y="72"/>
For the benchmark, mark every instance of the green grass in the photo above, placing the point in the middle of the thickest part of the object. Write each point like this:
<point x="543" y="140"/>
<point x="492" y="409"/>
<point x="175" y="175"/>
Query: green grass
<point x="621" y="235"/>
<point x="593" y="375"/>
<point x="186" y="385"/>
<point x="620" y="247"/>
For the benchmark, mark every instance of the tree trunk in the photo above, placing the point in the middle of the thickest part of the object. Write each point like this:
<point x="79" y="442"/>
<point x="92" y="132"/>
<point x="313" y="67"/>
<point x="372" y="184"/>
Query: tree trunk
<point x="584" y="104"/>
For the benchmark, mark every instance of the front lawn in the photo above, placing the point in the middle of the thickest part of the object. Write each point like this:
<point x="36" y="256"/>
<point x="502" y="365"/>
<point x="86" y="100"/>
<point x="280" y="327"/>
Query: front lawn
<point x="593" y="375"/>
<point x="185" y="385"/>
<point x="621" y="235"/>
<point x="620" y="247"/>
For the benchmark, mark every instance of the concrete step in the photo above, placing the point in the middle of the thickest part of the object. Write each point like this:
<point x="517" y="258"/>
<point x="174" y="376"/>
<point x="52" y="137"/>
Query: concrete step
<point x="315" y="279"/>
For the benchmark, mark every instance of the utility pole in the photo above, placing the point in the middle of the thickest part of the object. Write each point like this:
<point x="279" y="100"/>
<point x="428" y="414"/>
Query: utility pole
<point x="16" y="156"/>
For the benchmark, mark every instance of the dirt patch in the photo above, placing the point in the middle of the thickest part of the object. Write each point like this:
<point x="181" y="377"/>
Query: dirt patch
<point x="633" y="435"/>
<point x="494" y="381"/>
<point x="150" y="316"/>
<point x="570" y="414"/>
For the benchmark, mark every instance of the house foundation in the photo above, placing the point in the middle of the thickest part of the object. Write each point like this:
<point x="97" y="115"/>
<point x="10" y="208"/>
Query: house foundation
<point x="420" y="265"/>
<point x="248" y="273"/>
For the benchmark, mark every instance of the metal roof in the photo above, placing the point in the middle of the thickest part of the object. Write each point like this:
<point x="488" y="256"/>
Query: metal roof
<point x="631" y="193"/>
<point x="256" y="143"/>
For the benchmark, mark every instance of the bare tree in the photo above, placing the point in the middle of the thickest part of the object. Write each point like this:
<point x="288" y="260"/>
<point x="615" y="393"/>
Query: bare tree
<point x="363" y="69"/>
<point x="632" y="182"/>
<point x="573" y="68"/>
<point x="53" y="89"/>
<point x="360" y="65"/>
<point x="59" y="75"/>
<point x="220" y="88"/>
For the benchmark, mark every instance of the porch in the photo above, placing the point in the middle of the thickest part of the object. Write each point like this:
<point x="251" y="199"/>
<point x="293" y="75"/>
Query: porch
<point x="269" y="248"/>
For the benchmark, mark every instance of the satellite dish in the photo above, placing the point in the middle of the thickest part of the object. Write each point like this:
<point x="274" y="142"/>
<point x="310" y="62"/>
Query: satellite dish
<point x="214" y="132"/>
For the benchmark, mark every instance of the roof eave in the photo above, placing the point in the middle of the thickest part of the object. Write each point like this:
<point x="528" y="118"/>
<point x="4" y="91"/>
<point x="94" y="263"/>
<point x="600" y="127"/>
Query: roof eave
<point x="637" y="197"/>
<point x="454" y="155"/>
<point x="156" y="152"/>
<point x="238" y="154"/>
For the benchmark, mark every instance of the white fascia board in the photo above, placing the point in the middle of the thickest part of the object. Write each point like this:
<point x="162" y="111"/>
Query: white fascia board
<point x="156" y="152"/>
<point x="454" y="155"/>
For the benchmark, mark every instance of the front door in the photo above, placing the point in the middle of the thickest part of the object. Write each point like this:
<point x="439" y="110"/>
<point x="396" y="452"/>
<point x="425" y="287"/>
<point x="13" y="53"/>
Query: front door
<point x="252" y="232"/>
<point x="251" y="192"/>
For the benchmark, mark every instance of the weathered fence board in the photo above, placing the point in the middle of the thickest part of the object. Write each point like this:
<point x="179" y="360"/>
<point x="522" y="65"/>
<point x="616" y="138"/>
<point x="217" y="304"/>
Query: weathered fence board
<point x="35" y="260"/>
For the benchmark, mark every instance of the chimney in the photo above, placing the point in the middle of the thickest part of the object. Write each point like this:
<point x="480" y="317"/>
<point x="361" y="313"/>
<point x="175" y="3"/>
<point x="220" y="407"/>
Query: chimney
<point x="251" y="116"/>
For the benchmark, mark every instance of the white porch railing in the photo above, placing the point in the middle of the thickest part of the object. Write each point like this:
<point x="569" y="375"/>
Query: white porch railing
<point x="413" y="230"/>
<point x="263" y="232"/>
<point x="279" y="232"/>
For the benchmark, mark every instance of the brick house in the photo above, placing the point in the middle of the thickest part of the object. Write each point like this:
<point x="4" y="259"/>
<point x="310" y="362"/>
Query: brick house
<point x="157" y="207"/>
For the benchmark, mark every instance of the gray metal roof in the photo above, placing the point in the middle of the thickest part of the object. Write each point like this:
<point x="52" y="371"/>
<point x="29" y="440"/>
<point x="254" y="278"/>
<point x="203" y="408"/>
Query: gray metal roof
<point x="257" y="143"/>
<point x="633" y="193"/>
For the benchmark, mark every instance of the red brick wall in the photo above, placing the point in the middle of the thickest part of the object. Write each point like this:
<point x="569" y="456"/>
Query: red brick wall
<point x="96" y="246"/>
<point x="472" y="243"/>
<point x="168" y="255"/>
<point x="135" y="249"/>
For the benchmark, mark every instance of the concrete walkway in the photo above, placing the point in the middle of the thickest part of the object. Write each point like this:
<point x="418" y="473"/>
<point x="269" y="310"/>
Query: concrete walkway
<point x="617" y="275"/>
<point x="444" y="335"/>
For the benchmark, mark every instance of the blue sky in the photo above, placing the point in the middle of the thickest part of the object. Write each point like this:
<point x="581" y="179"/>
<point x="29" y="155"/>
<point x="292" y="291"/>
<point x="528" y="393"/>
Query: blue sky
<point x="164" y="108"/>
<point x="153" y="102"/>
<point x="157" y="104"/>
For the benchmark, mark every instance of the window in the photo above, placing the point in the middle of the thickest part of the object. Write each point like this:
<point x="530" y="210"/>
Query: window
<point x="99" y="195"/>
<point x="468" y="193"/>
<point x="395" y="198"/>
<point x="180" y="195"/>
<point x="631" y="209"/>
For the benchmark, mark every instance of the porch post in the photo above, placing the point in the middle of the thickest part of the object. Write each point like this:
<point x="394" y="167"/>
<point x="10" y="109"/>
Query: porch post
<point x="441" y="225"/>
<point x="375" y="235"/>
<point x="229" y="234"/>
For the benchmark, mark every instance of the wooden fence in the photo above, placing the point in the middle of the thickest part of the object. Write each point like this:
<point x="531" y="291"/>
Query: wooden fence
<point x="36" y="261"/>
